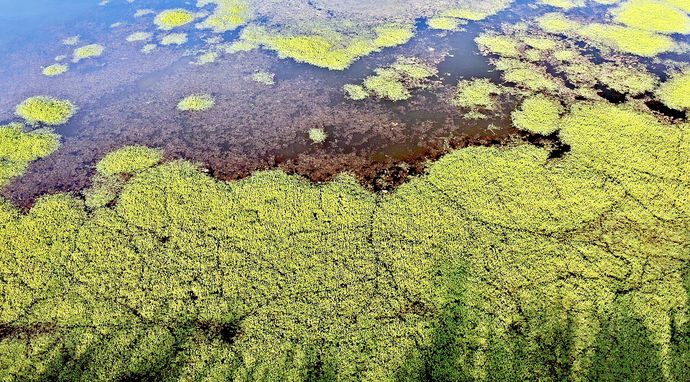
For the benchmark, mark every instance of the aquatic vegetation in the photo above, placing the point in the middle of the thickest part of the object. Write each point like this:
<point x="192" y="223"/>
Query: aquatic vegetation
<point x="629" y="40"/>
<point x="557" y="23"/>
<point x="680" y="4"/>
<point x="538" y="114"/>
<point x="207" y="58"/>
<point x="539" y="43"/>
<point x="87" y="51"/>
<point x="197" y="102"/>
<point x="332" y="50"/>
<point x="566" y="55"/>
<point x="139" y="36"/>
<point x="413" y="69"/>
<point x="467" y="14"/>
<point x="173" y="18"/>
<point x="55" y="70"/>
<point x="129" y="160"/>
<point x="477" y="93"/>
<point x="240" y="46"/>
<point x="444" y="23"/>
<point x="317" y="135"/>
<point x="228" y="15"/>
<point x="387" y="84"/>
<point x="675" y="92"/>
<point x="19" y="148"/>
<point x="72" y="40"/>
<point x="355" y="92"/>
<point x="653" y="15"/>
<point x="527" y="75"/>
<point x="46" y="110"/>
<point x="504" y="46"/>
<point x="148" y="48"/>
<point x="143" y="12"/>
<point x="265" y="78"/>
<point x="103" y="191"/>
<point x="174" y="39"/>
<point x="564" y="4"/>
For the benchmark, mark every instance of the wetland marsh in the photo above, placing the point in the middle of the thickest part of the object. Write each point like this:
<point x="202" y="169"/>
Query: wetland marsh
<point x="320" y="190"/>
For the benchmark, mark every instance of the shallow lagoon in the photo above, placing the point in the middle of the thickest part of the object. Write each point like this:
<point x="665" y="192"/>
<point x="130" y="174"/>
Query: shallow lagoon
<point x="494" y="190"/>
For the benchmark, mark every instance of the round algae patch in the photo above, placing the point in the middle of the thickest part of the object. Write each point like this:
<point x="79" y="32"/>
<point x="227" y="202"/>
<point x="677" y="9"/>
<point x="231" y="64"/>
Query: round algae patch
<point x="196" y="102"/>
<point x="317" y="135"/>
<point x="173" y="18"/>
<point x="654" y="16"/>
<point x="54" y="70"/>
<point x="47" y="110"/>
<point x="675" y="93"/>
<point x="444" y="23"/>
<point x="87" y="51"/>
<point x="129" y="160"/>
<point x="538" y="114"/>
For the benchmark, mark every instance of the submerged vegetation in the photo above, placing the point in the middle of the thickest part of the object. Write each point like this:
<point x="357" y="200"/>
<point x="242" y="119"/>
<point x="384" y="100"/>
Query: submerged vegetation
<point x="55" y="70"/>
<point x="173" y="18"/>
<point x="196" y="102"/>
<point x="19" y="148"/>
<point x="46" y="110"/>
<point x="317" y="135"/>
<point x="129" y="160"/>
<point x="393" y="82"/>
<point x="87" y="51"/>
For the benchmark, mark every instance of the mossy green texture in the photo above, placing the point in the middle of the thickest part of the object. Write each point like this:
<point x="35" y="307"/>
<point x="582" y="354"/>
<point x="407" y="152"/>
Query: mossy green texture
<point x="478" y="93"/>
<point x="196" y="102"/>
<point x="103" y="191"/>
<point x="675" y="92"/>
<point x="55" y="70"/>
<point x="317" y="135"/>
<point x="504" y="46"/>
<point x="556" y="23"/>
<point x="46" y="110"/>
<point x="538" y="114"/>
<point x="87" y="51"/>
<point x="173" y="18"/>
<point x="129" y="160"/>
<point x="228" y="15"/>
<point x="394" y="82"/>
<point x="498" y="265"/>
<point x="179" y="38"/>
<point x="19" y="148"/>
<point x="564" y="4"/>
<point x="444" y="23"/>
<point x="527" y="76"/>
<point x="467" y="14"/>
<point x="331" y="50"/>
<point x="139" y="36"/>
<point x="355" y="92"/>
<point x="264" y="78"/>
<point x="653" y="15"/>
<point x="387" y="84"/>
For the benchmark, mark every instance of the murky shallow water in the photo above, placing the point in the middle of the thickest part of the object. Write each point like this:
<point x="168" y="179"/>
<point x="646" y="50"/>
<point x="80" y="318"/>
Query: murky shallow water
<point x="127" y="97"/>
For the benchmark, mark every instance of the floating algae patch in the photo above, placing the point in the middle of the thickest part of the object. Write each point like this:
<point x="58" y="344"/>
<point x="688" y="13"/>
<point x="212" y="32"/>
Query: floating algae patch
<point x="19" y="148"/>
<point x="477" y="94"/>
<point x="317" y="135"/>
<point x="501" y="45"/>
<point x="139" y="36"/>
<point x="87" y="51"/>
<point x="129" y="160"/>
<point x="538" y="114"/>
<point x="394" y="82"/>
<point x="174" y="39"/>
<point x="265" y="78"/>
<point x="444" y="23"/>
<point x="196" y="102"/>
<point x="627" y="39"/>
<point x="173" y="18"/>
<point x="564" y="4"/>
<point x="675" y="92"/>
<point x="55" y="70"/>
<point x="46" y="110"/>
<point x="228" y="15"/>
<point x="653" y="15"/>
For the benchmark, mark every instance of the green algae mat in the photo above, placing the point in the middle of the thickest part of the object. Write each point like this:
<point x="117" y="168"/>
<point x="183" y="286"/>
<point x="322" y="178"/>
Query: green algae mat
<point x="239" y="190"/>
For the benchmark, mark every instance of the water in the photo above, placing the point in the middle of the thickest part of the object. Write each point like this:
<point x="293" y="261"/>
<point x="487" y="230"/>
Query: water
<point x="127" y="97"/>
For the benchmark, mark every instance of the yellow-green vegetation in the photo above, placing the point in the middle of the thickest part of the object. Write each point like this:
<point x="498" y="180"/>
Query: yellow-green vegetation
<point x="139" y="36"/>
<point x="556" y="23"/>
<point x="355" y="92"/>
<point x="228" y="15"/>
<point x="538" y="114"/>
<point x="197" y="102"/>
<point x="19" y="148"/>
<point x="564" y="4"/>
<point x="103" y="191"/>
<point x="675" y="92"/>
<point x="129" y="160"/>
<point x="477" y="95"/>
<point x="265" y="78"/>
<point x="629" y="40"/>
<point x="444" y="23"/>
<point x="501" y="45"/>
<point x="55" y="70"/>
<point x="174" y="39"/>
<point x="72" y="40"/>
<point x="654" y="16"/>
<point x="148" y="48"/>
<point x="46" y="110"/>
<point x="527" y="75"/>
<point x="468" y="14"/>
<point x="207" y="58"/>
<point x="173" y="18"/>
<point x="539" y="43"/>
<point x="394" y="82"/>
<point x="317" y="136"/>
<point x="87" y="51"/>
<point x="498" y="265"/>
<point x="681" y="4"/>
<point x="328" y="49"/>
<point x="387" y="84"/>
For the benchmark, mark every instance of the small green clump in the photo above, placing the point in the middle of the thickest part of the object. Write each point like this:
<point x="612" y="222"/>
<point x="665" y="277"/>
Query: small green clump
<point x="228" y="15"/>
<point x="675" y="92"/>
<point x="387" y="84"/>
<point x="196" y="102"/>
<point x="355" y="92"/>
<point x="18" y="149"/>
<point x="538" y="114"/>
<point x="503" y="46"/>
<point x="265" y="78"/>
<point x="173" y="18"/>
<point x="72" y="40"/>
<point x="55" y="70"/>
<point x="87" y="51"/>
<point x="129" y="160"/>
<point x="653" y="16"/>
<point x="444" y="23"/>
<point x="174" y="39"/>
<point x="317" y="136"/>
<point x="46" y="110"/>
<point x="139" y="36"/>
<point x="207" y="58"/>
<point x="556" y="23"/>
<point x="477" y="93"/>
<point x="148" y="48"/>
<point x="527" y="75"/>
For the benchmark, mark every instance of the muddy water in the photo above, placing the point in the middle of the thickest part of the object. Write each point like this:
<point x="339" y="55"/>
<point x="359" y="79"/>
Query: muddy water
<point x="126" y="97"/>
